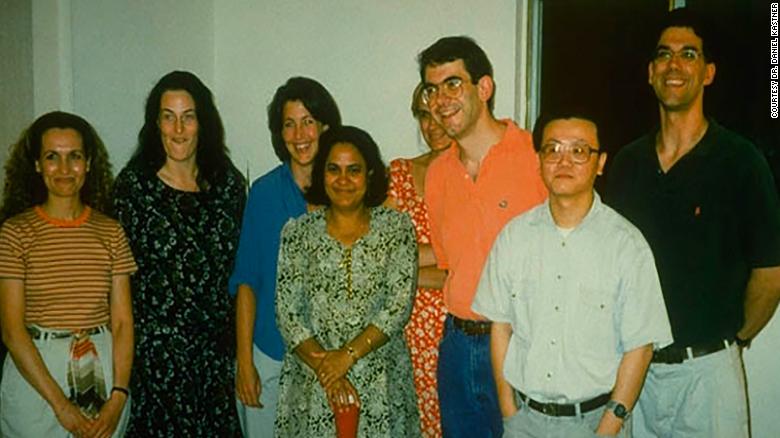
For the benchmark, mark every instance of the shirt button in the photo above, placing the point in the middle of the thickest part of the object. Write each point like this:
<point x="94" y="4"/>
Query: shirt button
<point x="552" y="342"/>
<point x="558" y="276"/>
<point x="556" y="308"/>
<point x="563" y="243"/>
<point x="549" y="375"/>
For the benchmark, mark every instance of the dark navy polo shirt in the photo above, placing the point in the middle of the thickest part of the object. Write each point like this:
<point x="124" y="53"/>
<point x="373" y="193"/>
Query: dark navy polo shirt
<point x="711" y="219"/>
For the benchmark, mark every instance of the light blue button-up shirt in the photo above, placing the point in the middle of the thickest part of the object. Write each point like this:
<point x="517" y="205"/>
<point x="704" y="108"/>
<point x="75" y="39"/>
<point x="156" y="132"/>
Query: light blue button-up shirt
<point x="576" y="301"/>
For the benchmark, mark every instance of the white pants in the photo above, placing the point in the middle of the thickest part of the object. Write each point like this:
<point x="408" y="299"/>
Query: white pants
<point x="259" y="422"/>
<point x="701" y="397"/>
<point x="24" y="413"/>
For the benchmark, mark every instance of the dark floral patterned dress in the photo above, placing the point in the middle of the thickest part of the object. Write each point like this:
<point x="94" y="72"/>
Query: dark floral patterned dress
<point x="184" y="244"/>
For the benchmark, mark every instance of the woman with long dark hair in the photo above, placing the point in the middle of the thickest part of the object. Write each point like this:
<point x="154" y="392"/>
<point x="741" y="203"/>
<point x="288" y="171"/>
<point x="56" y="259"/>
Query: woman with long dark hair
<point x="180" y="200"/>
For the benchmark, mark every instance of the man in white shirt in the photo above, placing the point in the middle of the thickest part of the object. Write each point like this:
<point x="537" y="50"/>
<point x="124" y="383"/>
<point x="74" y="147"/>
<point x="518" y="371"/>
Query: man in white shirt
<point x="573" y="293"/>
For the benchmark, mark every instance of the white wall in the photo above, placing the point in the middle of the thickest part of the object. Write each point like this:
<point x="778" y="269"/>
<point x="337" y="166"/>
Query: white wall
<point x="762" y="362"/>
<point x="16" y="73"/>
<point x="120" y="48"/>
<point x="100" y="59"/>
<point x="364" y="52"/>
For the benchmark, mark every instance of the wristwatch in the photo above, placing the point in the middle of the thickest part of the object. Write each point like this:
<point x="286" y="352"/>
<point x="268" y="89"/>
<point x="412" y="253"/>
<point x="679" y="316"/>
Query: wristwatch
<point x="618" y="409"/>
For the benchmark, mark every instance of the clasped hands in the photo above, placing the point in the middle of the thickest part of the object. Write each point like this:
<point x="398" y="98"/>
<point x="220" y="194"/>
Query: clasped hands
<point x="102" y="426"/>
<point x="331" y="373"/>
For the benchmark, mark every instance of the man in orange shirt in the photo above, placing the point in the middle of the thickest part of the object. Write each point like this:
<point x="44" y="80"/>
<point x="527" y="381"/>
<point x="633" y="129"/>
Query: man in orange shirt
<point x="472" y="190"/>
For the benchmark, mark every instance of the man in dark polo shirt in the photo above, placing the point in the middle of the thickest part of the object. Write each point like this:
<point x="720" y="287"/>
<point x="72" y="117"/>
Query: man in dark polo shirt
<point x="705" y="201"/>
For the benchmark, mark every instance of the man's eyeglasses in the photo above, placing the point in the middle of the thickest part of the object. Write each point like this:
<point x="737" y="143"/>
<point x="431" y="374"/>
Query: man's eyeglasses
<point x="687" y="55"/>
<point x="579" y="153"/>
<point x="451" y="87"/>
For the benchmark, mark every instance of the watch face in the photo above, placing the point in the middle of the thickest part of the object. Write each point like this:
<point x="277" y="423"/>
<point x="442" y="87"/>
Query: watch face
<point x="620" y="411"/>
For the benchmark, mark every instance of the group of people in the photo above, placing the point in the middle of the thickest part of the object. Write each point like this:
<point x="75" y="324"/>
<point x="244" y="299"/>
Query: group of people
<point x="481" y="289"/>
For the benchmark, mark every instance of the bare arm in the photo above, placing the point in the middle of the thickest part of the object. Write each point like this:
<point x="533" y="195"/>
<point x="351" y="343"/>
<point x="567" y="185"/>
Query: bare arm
<point x="761" y="297"/>
<point x="428" y="275"/>
<point x="305" y="351"/>
<point x="122" y="337"/>
<point x="122" y="329"/>
<point x="426" y="256"/>
<point x="500" y="332"/>
<point x="29" y="362"/>
<point x="630" y="377"/>
<point x="431" y="277"/>
<point x="248" y="383"/>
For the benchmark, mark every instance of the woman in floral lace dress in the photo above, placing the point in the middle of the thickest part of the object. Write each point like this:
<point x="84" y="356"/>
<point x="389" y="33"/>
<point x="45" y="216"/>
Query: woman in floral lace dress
<point x="424" y="331"/>
<point x="344" y="292"/>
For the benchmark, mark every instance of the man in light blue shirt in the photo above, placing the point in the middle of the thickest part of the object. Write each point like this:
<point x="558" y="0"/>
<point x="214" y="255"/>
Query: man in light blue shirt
<point x="574" y="297"/>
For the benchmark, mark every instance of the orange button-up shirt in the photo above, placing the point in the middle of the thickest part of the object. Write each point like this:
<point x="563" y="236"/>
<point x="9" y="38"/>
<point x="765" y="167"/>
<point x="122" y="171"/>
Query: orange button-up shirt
<point x="467" y="215"/>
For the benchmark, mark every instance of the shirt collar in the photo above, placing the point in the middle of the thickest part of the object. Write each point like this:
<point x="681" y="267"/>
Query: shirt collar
<point x="703" y="147"/>
<point x="545" y="217"/>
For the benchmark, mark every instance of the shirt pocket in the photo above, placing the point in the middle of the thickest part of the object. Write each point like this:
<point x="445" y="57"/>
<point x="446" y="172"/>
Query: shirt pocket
<point x="522" y="302"/>
<point x="594" y="323"/>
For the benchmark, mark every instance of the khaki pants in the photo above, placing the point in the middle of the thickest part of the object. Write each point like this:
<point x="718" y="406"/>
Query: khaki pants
<point x="701" y="397"/>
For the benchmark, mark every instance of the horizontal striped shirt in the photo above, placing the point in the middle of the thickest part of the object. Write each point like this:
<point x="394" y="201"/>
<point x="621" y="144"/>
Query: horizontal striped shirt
<point x="67" y="267"/>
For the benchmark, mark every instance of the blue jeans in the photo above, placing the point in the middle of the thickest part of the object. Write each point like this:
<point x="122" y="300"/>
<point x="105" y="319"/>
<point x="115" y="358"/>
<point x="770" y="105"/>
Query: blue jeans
<point x="467" y="391"/>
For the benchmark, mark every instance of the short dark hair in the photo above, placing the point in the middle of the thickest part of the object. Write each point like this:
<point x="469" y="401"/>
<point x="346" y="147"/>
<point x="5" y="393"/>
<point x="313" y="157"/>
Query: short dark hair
<point x="684" y="17"/>
<point x="453" y="48"/>
<point x="212" y="157"/>
<point x="24" y="187"/>
<point x="566" y="113"/>
<point x="314" y="97"/>
<point x="376" y="191"/>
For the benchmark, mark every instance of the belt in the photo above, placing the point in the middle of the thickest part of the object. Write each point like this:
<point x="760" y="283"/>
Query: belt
<point x="671" y="354"/>
<point x="36" y="333"/>
<point x="471" y="328"/>
<point x="564" y="410"/>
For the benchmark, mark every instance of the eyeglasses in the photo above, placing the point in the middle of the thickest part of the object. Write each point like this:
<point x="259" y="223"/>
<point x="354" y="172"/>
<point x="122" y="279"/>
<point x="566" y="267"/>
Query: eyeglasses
<point x="579" y="153"/>
<point x="686" y="55"/>
<point x="451" y="87"/>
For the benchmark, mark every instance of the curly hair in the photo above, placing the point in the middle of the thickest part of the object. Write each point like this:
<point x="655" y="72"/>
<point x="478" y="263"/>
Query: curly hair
<point x="314" y="97"/>
<point x="377" y="179"/>
<point x="212" y="157"/>
<point x="24" y="186"/>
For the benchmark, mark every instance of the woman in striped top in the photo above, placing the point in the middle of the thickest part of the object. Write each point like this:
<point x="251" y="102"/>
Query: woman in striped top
<point x="65" y="303"/>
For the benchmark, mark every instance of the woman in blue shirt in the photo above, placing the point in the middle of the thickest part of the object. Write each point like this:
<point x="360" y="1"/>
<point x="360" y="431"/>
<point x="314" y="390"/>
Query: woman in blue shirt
<point x="300" y="111"/>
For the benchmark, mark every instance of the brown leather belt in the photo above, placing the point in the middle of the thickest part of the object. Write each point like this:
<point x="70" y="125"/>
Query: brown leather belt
<point x="564" y="410"/>
<point x="672" y="354"/>
<point x="470" y="327"/>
